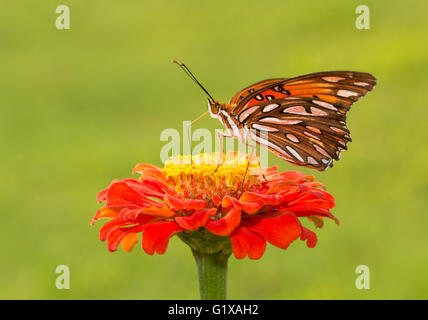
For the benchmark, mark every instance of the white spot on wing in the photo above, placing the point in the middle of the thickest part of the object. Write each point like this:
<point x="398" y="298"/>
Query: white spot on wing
<point x="346" y="93"/>
<point x="326" y="160"/>
<point x="295" y="110"/>
<point x="295" y="153"/>
<point x="321" y="150"/>
<point x="247" y="112"/>
<point x="280" y="121"/>
<point x="312" y="161"/>
<point x="338" y="130"/>
<point x="264" y="128"/>
<point x="333" y="79"/>
<point x="267" y="143"/>
<point x="318" y="112"/>
<point x="363" y="84"/>
<point x="325" y="105"/>
<point x="311" y="135"/>
<point x="270" y="107"/>
<point x="314" y="129"/>
<point x="292" y="137"/>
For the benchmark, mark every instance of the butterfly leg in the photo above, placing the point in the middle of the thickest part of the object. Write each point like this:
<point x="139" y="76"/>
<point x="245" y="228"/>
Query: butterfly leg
<point x="253" y="149"/>
<point x="221" y="135"/>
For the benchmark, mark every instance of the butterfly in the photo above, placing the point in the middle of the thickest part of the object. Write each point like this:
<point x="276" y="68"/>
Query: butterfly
<point x="301" y="119"/>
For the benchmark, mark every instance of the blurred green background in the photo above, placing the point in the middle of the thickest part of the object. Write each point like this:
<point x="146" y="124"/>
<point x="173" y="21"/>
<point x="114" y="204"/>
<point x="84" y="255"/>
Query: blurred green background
<point x="81" y="107"/>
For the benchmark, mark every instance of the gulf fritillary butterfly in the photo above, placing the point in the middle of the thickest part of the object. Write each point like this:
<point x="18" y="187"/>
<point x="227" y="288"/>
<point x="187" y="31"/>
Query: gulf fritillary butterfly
<point x="302" y="119"/>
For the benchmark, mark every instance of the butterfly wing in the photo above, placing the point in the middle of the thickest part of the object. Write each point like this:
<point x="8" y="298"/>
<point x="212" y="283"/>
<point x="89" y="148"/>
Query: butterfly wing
<point x="339" y="87"/>
<point x="303" y="131"/>
<point x="302" y="119"/>
<point x="244" y="93"/>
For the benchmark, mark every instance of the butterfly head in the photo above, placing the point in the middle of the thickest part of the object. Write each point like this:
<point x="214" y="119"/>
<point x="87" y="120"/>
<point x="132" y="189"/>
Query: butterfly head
<point x="214" y="108"/>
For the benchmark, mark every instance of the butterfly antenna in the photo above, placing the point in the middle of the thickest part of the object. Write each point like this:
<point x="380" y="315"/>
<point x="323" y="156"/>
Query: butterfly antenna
<point x="191" y="75"/>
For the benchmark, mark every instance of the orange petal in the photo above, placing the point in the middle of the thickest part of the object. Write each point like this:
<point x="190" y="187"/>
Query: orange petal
<point x="317" y="220"/>
<point x="149" y="171"/>
<point x="245" y="242"/>
<point x="156" y="236"/>
<point x="196" y="220"/>
<point x="225" y="225"/>
<point x="248" y="207"/>
<point x="105" y="213"/>
<point x="279" y="231"/>
<point x="178" y="204"/>
<point x="129" y="241"/>
<point x="308" y="236"/>
<point x="158" y="211"/>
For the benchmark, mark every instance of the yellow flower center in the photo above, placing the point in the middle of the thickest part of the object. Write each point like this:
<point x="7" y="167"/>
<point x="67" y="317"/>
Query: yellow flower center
<point x="204" y="175"/>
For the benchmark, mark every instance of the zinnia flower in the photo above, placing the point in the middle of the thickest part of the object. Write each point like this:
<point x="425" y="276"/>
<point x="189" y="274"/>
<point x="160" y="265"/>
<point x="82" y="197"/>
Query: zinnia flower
<point x="207" y="206"/>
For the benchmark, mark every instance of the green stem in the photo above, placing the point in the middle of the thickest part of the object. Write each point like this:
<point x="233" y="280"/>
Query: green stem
<point x="212" y="275"/>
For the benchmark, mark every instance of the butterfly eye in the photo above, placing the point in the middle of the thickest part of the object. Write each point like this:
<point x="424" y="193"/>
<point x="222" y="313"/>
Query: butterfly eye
<point x="213" y="108"/>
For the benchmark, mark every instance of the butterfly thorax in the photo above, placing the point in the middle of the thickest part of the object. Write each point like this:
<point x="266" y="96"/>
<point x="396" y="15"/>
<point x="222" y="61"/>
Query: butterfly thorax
<point x="222" y="111"/>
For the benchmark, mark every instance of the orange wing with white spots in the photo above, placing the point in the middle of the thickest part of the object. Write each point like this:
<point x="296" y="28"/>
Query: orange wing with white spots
<point x="302" y="119"/>
<point x="248" y="91"/>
